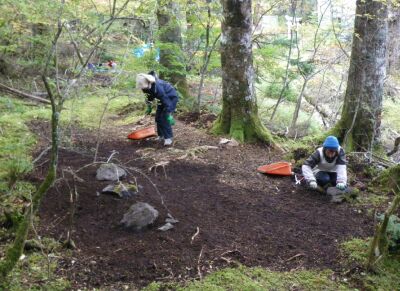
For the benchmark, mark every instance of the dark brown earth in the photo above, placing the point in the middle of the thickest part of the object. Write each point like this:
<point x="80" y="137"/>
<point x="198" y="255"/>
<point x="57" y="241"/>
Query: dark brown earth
<point x="239" y="216"/>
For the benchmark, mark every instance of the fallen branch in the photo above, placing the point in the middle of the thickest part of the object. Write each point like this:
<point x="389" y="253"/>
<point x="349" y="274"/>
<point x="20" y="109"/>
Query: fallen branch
<point x="21" y="94"/>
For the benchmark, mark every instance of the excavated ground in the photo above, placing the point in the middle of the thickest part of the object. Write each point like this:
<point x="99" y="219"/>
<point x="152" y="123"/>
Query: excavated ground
<point x="227" y="212"/>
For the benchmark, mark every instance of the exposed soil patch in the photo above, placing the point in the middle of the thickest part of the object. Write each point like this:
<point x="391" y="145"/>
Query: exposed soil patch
<point x="198" y="120"/>
<point x="238" y="214"/>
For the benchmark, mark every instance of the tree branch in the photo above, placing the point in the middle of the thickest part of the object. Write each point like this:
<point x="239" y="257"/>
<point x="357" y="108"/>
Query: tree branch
<point x="18" y="93"/>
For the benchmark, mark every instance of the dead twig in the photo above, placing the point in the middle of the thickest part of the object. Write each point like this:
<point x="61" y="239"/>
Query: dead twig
<point x="295" y="256"/>
<point x="41" y="155"/>
<point x="198" y="263"/>
<point x="161" y="164"/>
<point x="194" y="236"/>
<point x="231" y="251"/>
<point x="196" y="150"/>
<point x="152" y="183"/>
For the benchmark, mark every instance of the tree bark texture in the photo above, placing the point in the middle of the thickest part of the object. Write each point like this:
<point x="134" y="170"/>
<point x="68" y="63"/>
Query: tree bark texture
<point x="239" y="115"/>
<point x="359" y="126"/>
<point x="171" y="55"/>
<point x="394" y="38"/>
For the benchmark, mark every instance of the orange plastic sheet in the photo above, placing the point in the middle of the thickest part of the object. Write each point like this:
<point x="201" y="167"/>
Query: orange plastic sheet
<point x="142" y="133"/>
<point x="280" y="168"/>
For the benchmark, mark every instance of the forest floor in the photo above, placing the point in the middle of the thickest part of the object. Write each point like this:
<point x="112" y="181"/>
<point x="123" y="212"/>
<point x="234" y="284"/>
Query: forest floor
<point x="228" y="213"/>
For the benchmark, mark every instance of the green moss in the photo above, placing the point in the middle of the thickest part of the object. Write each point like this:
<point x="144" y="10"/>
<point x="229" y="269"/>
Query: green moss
<point x="356" y="250"/>
<point x="154" y="286"/>
<point x="250" y="131"/>
<point x="32" y="273"/>
<point x="87" y="111"/>
<point x="243" y="278"/>
<point x="391" y="117"/>
<point x="389" y="179"/>
<point x="371" y="198"/>
<point x="386" y="274"/>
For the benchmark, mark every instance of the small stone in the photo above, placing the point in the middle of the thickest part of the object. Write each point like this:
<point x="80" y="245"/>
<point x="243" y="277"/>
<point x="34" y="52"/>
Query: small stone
<point x="171" y="220"/>
<point x="166" y="227"/>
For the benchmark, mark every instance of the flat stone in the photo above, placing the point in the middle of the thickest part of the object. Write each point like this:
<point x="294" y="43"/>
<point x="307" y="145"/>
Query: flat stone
<point x="109" y="172"/>
<point x="166" y="227"/>
<point x="120" y="189"/>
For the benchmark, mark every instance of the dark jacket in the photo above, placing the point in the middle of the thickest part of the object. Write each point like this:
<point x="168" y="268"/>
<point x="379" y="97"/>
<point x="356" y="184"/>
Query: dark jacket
<point x="164" y="92"/>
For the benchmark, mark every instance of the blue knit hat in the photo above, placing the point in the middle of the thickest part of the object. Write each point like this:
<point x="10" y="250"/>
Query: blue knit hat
<point x="331" y="143"/>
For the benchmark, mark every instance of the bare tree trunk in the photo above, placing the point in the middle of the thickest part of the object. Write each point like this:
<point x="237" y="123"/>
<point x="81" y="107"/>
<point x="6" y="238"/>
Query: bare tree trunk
<point x="359" y="126"/>
<point x="203" y="72"/>
<point x="395" y="147"/>
<point x="171" y="55"/>
<point x="239" y="116"/>
<point x="205" y="58"/>
<point x="393" y="39"/>
<point x="286" y="81"/>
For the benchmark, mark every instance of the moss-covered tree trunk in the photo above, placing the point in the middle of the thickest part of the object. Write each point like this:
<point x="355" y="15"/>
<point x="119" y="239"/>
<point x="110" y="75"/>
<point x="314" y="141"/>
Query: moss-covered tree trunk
<point x="15" y="251"/>
<point x="359" y="126"/>
<point x="171" y="54"/>
<point x="379" y="244"/>
<point x="239" y="115"/>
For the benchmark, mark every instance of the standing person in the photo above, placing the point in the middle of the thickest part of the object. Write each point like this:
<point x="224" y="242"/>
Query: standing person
<point x="167" y="96"/>
<point x="327" y="165"/>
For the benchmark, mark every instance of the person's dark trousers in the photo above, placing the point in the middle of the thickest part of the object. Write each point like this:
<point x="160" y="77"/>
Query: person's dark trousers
<point x="164" y="129"/>
<point x="324" y="178"/>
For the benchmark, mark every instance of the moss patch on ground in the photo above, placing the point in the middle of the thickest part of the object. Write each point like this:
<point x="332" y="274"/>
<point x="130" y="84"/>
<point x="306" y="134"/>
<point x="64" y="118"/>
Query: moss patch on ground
<point x="243" y="278"/>
<point x="386" y="273"/>
<point x="87" y="111"/>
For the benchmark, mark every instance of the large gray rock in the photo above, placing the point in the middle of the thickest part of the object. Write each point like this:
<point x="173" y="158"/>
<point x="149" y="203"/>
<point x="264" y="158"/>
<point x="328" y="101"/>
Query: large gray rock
<point x="139" y="216"/>
<point x="110" y="172"/>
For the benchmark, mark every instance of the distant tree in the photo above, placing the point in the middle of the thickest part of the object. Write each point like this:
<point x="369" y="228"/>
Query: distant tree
<point x="359" y="126"/>
<point x="393" y="39"/>
<point x="239" y="116"/>
<point x="170" y="38"/>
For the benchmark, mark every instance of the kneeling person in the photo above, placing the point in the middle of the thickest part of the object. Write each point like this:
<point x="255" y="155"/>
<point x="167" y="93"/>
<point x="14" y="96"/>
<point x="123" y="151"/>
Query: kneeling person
<point x="327" y="165"/>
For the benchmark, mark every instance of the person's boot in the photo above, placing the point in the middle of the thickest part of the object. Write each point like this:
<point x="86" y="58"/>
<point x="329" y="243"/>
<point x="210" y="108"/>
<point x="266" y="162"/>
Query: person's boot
<point x="168" y="141"/>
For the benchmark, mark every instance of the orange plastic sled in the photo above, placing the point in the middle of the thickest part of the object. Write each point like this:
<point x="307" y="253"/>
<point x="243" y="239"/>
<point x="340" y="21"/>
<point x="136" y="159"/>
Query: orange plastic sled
<point x="142" y="133"/>
<point x="280" y="168"/>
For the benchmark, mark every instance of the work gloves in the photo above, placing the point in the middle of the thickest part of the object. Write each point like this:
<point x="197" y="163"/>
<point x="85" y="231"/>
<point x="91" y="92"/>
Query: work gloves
<point x="148" y="109"/>
<point x="170" y="119"/>
<point x="341" y="186"/>
<point x="313" y="185"/>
